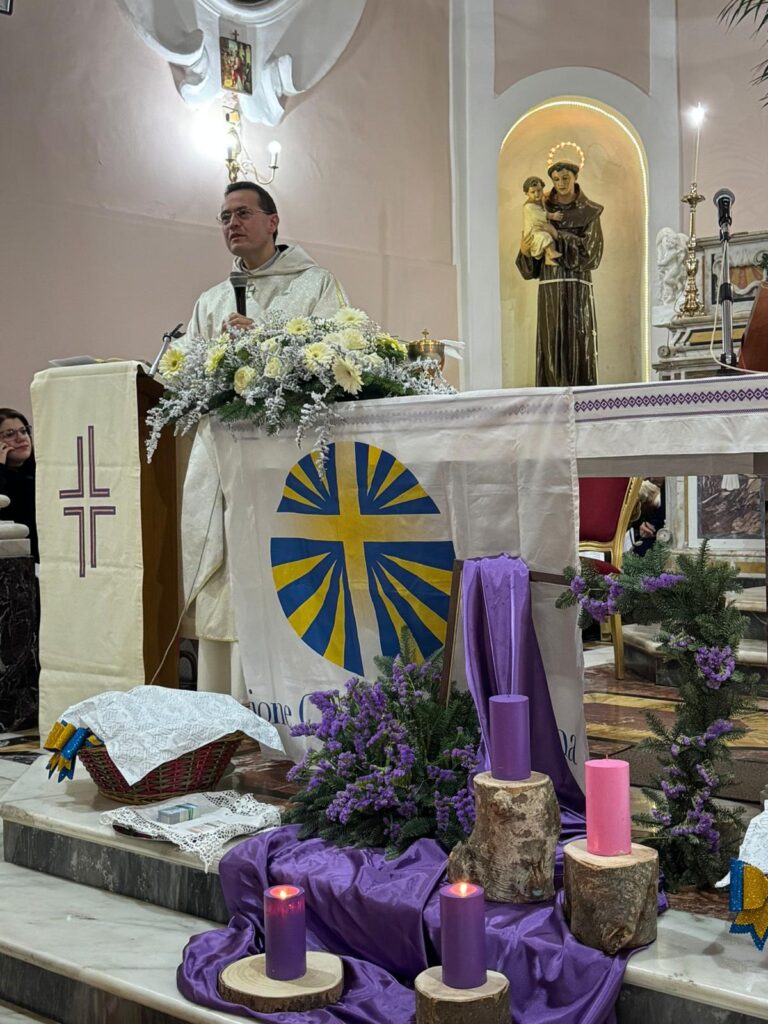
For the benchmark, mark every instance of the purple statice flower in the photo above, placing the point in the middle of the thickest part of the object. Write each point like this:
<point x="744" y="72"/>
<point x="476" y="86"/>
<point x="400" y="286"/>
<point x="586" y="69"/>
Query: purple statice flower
<point x="443" y="808"/>
<point x="661" y="817"/>
<point x="578" y="585"/>
<point x="662" y="582"/>
<point x="597" y="609"/>
<point x="707" y="776"/>
<point x="672" y="792"/>
<point x="720" y="727"/>
<point x="615" y="589"/>
<point x="681" y="642"/>
<point x="715" y="664"/>
<point x="675" y="750"/>
<point x="464" y="805"/>
<point x="437" y="774"/>
<point x="468" y="756"/>
<point x="674" y="772"/>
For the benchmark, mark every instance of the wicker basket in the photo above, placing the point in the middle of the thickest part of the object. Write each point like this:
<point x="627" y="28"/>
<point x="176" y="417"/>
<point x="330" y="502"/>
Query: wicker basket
<point x="195" y="772"/>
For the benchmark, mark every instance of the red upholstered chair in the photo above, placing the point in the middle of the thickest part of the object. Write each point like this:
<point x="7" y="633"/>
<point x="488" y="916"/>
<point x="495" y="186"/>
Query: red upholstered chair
<point x="606" y="508"/>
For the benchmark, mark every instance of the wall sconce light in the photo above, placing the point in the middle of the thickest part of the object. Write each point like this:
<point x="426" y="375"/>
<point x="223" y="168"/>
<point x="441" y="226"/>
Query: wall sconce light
<point x="238" y="161"/>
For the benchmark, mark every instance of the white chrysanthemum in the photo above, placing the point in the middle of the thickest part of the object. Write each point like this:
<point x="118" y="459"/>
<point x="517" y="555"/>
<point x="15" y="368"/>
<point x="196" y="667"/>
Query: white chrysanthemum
<point x="215" y="354"/>
<point x="334" y="338"/>
<point x="299" y="325"/>
<point x="347" y="373"/>
<point x="271" y="345"/>
<point x="243" y="378"/>
<point x="353" y="339"/>
<point x="372" y="362"/>
<point x="348" y="316"/>
<point x="171" y="363"/>
<point x="316" y="355"/>
<point x="273" y="368"/>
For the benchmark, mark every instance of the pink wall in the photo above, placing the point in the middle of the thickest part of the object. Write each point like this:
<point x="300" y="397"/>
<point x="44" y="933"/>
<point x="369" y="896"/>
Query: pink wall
<point x="613" y="35"/>
<point x="715" y="68"/>
<point x="108" y="199"/>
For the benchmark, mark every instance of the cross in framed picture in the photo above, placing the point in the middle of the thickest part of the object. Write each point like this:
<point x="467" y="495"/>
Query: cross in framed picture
<point x="236" y="64"/>
<point x="6" y="6"/>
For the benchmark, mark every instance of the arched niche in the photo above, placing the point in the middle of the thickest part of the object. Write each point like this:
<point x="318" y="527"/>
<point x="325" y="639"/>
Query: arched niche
<point x="615" y="175"/>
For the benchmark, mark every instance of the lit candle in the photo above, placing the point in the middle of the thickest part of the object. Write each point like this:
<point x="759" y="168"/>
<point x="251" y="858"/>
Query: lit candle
<point x="462" y="935"/>
<point x="510" y="737"/>
<point x="285" y="932"/>
<point x="697" y="117"/>
<point x="609" y="829"/>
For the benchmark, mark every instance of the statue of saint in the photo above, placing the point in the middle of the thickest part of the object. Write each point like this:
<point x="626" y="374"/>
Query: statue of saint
<point x="566" y="331"/>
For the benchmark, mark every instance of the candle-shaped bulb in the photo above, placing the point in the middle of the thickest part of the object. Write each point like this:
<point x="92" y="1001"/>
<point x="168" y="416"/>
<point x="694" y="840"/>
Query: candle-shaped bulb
<point x="697" y="120"/>
<point x="274" y="148"/>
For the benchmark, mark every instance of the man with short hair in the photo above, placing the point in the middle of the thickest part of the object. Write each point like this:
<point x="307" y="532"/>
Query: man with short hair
<point x="281" y="278"/>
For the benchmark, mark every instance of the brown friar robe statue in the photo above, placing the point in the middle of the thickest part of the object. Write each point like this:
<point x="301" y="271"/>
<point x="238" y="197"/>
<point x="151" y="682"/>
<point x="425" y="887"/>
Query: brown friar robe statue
<point x="566" y="332"/>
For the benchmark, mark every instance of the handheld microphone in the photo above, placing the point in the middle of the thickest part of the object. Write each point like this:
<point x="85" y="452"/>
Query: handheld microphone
<point x="239" y="280"/>
<point x="724" y="200"/>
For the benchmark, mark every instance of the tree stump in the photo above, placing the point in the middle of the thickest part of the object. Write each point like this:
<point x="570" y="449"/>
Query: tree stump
<point x="245" y="981"/>
<point x="610" y="902"/>
<point x="511" y="851"/>
<point x="436" y="1003"/>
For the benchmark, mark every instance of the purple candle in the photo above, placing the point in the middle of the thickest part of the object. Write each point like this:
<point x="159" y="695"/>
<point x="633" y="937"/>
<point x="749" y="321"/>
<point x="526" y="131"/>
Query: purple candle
<point x="285" y="932"/>
<point x="510" y="737"/>
<point x="462" y="935"/>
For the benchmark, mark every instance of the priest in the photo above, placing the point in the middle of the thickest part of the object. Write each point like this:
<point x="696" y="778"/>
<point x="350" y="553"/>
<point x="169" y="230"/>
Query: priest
<point x="279" y="278"/>
<point x="566" y="331"/>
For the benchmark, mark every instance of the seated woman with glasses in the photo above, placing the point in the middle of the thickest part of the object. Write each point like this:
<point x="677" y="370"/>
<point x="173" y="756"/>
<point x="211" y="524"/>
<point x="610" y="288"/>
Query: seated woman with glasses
<point x="17" y="472"/>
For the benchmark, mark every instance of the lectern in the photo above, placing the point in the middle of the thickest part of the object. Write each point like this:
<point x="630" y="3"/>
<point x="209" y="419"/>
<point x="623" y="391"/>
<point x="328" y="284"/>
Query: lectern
<point x="108" y="531"/>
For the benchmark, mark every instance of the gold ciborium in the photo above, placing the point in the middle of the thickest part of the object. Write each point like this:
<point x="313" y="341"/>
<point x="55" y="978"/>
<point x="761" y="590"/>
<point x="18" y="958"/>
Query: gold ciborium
<point x="427" y="348"/>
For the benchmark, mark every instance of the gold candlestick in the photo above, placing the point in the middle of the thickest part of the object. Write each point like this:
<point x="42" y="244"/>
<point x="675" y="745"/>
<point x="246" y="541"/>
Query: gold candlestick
<point x="691" y="304"/>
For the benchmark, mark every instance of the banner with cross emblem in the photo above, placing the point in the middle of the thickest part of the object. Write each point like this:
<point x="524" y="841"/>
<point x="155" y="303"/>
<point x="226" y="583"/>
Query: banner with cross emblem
<point x="89" y="525"/>
<point x="329" y="563"/>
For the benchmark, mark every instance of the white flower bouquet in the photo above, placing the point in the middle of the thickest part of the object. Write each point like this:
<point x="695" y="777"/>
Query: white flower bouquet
<point x="288" y="370"/>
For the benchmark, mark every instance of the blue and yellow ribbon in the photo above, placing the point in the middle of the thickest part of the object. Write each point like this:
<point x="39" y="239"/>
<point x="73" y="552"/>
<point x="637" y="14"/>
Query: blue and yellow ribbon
<point x="749" y="899"/>
<point x="64" y="741"/>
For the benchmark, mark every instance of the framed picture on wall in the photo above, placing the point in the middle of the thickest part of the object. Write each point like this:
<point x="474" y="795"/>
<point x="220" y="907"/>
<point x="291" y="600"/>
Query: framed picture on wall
<point x="236" y="65"/>
<point x="748" y="258"/>
<point x="6" y="6"/>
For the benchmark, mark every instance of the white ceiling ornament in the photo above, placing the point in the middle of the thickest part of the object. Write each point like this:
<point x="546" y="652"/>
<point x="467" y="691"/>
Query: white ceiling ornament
<point x="294" y="43"/>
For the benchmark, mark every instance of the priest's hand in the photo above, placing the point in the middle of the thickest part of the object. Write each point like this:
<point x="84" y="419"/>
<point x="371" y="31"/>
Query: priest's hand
<point x="525" y="243"/>
<point x="242" y="323"/>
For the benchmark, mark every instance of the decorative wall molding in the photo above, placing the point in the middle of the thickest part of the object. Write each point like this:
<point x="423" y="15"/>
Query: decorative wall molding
<point x="294" y="43"/>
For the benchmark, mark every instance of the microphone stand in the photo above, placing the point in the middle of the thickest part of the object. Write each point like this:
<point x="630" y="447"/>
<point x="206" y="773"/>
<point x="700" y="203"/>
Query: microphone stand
<point x="725" y="299"/>
<point x="168" y="337"/>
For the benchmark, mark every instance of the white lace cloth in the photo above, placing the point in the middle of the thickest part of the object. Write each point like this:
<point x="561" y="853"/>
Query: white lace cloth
<point x="754" y="846"/>
<point x="221" y="817"/>
<point x="149" y="725"/>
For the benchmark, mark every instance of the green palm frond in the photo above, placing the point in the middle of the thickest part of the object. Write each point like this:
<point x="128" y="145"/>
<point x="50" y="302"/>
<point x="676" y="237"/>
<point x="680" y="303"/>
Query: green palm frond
<point x="737" y="11"/>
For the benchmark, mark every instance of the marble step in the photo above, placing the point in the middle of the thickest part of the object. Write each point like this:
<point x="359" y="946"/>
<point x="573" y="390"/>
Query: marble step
<point x="77" y="955"/>
<point x="13" y="1015"/>
<point x="54" y="828"/>
<point x="642" y="656"/>
<point x="81" y="956"/>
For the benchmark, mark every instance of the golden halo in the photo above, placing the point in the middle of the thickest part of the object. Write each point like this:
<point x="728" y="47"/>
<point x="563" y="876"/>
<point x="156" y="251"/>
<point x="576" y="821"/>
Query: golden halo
<point x="561" y="145"/>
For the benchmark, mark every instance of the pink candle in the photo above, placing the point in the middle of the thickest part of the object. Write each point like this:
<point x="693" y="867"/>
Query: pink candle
<point x="285" y="933"/>
<point x="609" y="828"/>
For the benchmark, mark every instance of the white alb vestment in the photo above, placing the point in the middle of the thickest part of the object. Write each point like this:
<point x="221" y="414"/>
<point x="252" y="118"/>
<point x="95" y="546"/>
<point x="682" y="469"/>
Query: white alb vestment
<point x="534" y="222"/>
<point x="292" y="283"/>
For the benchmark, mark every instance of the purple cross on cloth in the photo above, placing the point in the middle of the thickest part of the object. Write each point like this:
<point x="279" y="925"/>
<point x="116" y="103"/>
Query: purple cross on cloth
<point x="383" y="917"/>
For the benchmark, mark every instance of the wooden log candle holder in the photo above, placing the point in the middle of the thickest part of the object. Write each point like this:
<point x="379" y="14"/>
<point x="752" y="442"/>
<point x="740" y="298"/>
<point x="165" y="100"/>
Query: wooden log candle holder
<point x="436" y="1003"/>
<point x="246" y="982"/>
<point x="511" y="851"/>
<point x="610" y="902"/>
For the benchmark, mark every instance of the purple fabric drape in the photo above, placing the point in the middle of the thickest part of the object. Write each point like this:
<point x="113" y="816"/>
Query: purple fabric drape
<point x="383" y="918"/>
<point x="502" y="656"/>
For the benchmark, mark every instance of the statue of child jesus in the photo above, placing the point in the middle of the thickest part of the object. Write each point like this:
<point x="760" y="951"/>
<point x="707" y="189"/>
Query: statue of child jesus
<point x="536" y="222"/>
